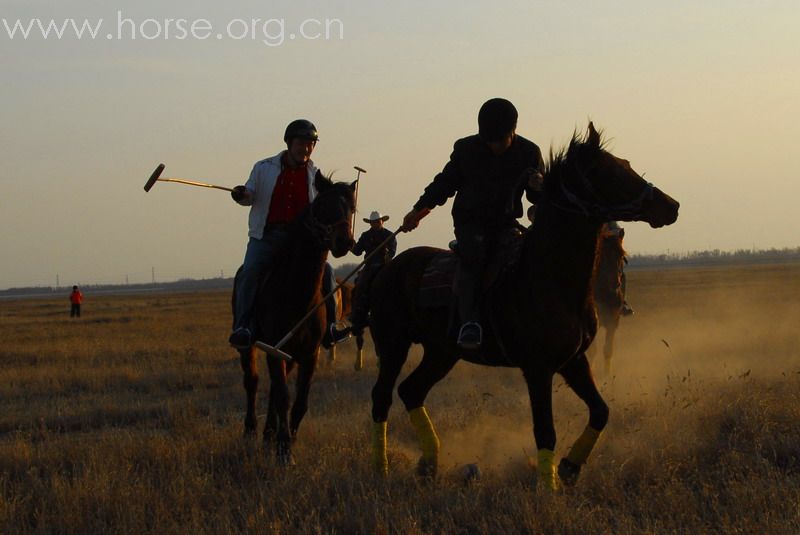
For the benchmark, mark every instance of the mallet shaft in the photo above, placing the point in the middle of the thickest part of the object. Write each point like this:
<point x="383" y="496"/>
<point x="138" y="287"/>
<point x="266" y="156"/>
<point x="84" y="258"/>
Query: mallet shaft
<point x="192" y="183"/>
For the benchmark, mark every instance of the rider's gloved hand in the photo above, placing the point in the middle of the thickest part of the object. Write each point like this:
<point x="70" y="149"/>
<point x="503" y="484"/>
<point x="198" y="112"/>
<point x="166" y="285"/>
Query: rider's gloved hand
<point x="238" y="193"/>
<point x="412" y="218"/>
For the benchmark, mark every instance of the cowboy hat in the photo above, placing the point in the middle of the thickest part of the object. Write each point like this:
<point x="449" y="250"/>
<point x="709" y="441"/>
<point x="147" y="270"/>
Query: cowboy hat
<point x="375" y="216"/>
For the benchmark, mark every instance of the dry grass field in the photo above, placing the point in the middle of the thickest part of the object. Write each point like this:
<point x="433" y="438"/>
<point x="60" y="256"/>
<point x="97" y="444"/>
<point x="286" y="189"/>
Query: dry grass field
<point x="128" y="420"/>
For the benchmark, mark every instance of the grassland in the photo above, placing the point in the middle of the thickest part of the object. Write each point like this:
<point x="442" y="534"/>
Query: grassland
<point x="128" y="420"/>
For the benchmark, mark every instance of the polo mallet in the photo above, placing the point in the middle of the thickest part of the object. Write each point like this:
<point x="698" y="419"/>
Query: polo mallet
<point x="358" y="180"/>
<point x="275" y="350"/>
<point x="156" y="177"/>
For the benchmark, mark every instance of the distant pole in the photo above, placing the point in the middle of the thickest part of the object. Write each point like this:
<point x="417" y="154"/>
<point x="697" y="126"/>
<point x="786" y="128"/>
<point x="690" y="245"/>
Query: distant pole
<point x="153" y="272"/>
<point x="57" y="282"/>
<point x="126" y="280"/>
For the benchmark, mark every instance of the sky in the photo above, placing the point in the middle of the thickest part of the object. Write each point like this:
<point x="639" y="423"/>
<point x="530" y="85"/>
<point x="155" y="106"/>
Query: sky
<point x="701" y="97"/>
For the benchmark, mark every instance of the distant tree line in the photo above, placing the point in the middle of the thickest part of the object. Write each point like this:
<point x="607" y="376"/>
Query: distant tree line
<point x="715" y="256"/>
<point x="175" y="286"/>
<point x="691" y="258"/>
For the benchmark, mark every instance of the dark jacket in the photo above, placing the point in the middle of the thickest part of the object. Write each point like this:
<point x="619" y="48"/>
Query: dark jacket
<point x="488" y="188"/>
<point x="370" y="240"/>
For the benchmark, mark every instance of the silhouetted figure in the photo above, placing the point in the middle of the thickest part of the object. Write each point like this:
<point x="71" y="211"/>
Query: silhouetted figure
<point x="487" y="173"/>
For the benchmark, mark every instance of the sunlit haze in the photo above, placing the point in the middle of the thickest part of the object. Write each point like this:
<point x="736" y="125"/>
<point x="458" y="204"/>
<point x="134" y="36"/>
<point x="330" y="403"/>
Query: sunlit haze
<point x="701" y="97"/>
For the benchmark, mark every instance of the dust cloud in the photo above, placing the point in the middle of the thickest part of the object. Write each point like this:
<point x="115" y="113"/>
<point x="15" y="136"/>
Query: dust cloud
<point x="697" y="336"/>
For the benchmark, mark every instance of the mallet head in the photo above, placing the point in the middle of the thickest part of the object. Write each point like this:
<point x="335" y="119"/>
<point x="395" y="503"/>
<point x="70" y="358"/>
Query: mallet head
<point x="154" y="177"/>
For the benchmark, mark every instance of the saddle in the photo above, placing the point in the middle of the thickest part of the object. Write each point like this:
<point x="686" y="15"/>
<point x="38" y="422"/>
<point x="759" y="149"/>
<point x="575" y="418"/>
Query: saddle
<point x="437" y="286"/>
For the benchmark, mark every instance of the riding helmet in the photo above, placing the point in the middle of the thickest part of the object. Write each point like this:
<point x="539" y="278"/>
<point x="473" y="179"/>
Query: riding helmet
<point x="301" y="128"/>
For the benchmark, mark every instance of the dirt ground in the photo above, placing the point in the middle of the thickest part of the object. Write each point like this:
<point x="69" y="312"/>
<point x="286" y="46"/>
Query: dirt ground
<point x="130" y="420"/>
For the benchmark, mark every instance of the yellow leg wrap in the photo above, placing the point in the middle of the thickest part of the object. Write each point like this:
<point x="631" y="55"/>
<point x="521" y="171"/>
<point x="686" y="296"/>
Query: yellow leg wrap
<point x="546" y="470"/>
<point x="379" y="459"/>
<point x="583" y="446"/>
<point x="426" y="435"/>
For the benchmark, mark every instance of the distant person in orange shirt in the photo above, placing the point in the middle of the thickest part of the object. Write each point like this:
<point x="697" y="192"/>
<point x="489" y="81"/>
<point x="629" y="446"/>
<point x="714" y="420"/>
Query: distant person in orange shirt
<point x="75" y="299"/>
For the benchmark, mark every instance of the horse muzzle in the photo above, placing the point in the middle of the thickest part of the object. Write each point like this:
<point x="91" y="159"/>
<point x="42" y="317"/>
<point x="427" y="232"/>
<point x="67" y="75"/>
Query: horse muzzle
<point x="339" y="248"/>
<point x="663" y="210"/>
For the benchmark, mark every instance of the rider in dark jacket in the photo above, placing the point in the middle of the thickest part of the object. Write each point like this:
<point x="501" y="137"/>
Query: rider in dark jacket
<point x="488" y="174"/>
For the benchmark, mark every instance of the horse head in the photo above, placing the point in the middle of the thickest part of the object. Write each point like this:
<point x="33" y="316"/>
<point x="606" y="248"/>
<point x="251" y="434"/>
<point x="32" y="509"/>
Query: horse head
<point x="600" y="185"/>
<point x="330" y="215"/>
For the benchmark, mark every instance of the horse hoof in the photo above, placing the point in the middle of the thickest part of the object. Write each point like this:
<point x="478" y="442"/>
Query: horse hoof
<point x="568" y="472"/>
<point x="284" y="456"/>
<point x="472" y="474"/>
<point x="427" y="468"/>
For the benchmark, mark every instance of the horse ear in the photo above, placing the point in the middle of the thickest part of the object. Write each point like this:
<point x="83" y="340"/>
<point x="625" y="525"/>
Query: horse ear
<point x="321" y="182"/>
<point x="621" y="233"/>
<point x="594" y="136"/>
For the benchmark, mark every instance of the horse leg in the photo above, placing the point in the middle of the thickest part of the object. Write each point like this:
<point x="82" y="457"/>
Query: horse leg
<point x="578" y="375"/>
<point x="608" y="347"/>
<point x="302" y="388"/>
<point x="279" y="398"/>
<point x="271" y="423"/>
<point x="413" y="391"/>
<point x="540" y="392"/>
<point x="394" y="356"/>
<point x="332" y="354"/>
<point x="359" y="364"/>
<point x="250" y="368"/>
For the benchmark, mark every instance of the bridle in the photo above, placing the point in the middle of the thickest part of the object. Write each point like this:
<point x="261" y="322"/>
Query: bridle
<point x="632" y="209"/>
<point x="324" y="233"/>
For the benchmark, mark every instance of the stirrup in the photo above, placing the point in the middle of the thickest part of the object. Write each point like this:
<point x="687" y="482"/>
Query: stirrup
<point x="470" y="336"/>
<point x="339" y="335"/>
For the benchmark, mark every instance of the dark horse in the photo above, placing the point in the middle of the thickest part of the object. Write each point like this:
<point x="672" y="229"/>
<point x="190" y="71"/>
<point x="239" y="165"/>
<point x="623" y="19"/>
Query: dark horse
<point x="608" y="295"/>
<point x="284" y="297"/>
<point x="540" y="315"/>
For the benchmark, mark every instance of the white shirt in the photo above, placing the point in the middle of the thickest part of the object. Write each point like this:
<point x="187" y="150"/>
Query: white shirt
<point x="261" y="184"/>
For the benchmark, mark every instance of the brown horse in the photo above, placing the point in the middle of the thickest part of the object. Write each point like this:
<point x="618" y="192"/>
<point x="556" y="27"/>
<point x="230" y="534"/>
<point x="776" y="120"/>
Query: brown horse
<point x="284" y="297"/>
<point x="540" y="315"/>
<point x="608" y="296"/>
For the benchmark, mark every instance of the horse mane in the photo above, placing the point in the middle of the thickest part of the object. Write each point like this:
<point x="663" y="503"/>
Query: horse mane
<point x="612" y="243"/>
<point x="578" y="149"/>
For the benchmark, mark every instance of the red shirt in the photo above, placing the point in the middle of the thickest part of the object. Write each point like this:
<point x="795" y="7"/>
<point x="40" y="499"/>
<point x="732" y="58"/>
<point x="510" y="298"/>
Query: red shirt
<point x="76" y="297"/>
<point x="290" y="196"/>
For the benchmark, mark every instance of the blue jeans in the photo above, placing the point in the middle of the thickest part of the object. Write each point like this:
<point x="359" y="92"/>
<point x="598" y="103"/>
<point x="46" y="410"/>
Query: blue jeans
<point x="261" y="258"/>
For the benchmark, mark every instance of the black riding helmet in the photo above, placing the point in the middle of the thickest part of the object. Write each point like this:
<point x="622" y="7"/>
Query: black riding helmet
<point x="496" y="119"/>
<point x="301" y="128"/>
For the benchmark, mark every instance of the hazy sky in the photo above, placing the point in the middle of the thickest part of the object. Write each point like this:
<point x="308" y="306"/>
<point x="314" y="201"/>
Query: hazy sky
<point x="701" y="96"/>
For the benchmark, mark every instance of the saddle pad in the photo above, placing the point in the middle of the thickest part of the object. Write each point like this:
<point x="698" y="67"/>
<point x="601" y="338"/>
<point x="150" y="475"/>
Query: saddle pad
<point x="436" y="286"/>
